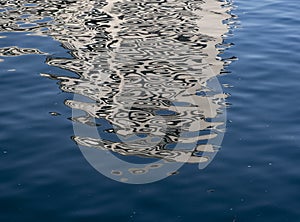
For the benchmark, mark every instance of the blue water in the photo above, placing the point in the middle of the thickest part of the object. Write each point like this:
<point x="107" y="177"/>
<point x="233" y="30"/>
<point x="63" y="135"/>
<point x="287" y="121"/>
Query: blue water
<point x="254" y="177"/>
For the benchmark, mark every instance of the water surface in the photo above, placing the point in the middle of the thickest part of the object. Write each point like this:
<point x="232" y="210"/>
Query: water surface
<point x="44" y="176"/>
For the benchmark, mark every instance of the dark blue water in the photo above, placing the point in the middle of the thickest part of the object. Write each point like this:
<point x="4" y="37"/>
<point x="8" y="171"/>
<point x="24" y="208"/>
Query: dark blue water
<point x="254" y="177"/>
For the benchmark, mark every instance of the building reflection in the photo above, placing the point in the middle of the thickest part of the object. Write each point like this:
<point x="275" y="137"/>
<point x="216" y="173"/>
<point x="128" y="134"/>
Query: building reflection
<point x="147" y="71"/>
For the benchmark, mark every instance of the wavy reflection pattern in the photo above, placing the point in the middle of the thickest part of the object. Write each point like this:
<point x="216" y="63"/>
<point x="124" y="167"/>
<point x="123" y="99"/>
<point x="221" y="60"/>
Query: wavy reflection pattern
<point x="145" y="67"/>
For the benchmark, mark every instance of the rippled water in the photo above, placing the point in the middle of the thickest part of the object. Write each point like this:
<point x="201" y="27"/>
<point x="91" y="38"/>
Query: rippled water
<point x="143" y="75"/>
<point x="145" y="70"/>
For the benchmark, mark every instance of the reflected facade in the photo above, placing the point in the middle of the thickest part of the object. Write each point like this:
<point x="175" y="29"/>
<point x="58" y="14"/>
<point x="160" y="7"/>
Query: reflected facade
<point x="146" y="72"/>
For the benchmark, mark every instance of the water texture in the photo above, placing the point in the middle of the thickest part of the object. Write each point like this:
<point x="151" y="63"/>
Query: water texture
<point x="141" y="73"/>
<point x="146" y="68"/>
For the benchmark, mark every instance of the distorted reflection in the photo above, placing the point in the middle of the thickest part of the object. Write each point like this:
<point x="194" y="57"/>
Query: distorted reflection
<point x="147" y="70"/>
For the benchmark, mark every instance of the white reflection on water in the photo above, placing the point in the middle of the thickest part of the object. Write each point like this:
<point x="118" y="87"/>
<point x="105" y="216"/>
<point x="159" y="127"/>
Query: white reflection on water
<point x="146" y="70"/>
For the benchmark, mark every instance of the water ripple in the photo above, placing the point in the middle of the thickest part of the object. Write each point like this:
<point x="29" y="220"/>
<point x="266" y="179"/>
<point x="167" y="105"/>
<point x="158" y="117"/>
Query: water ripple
<point x="144" y="68"/>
